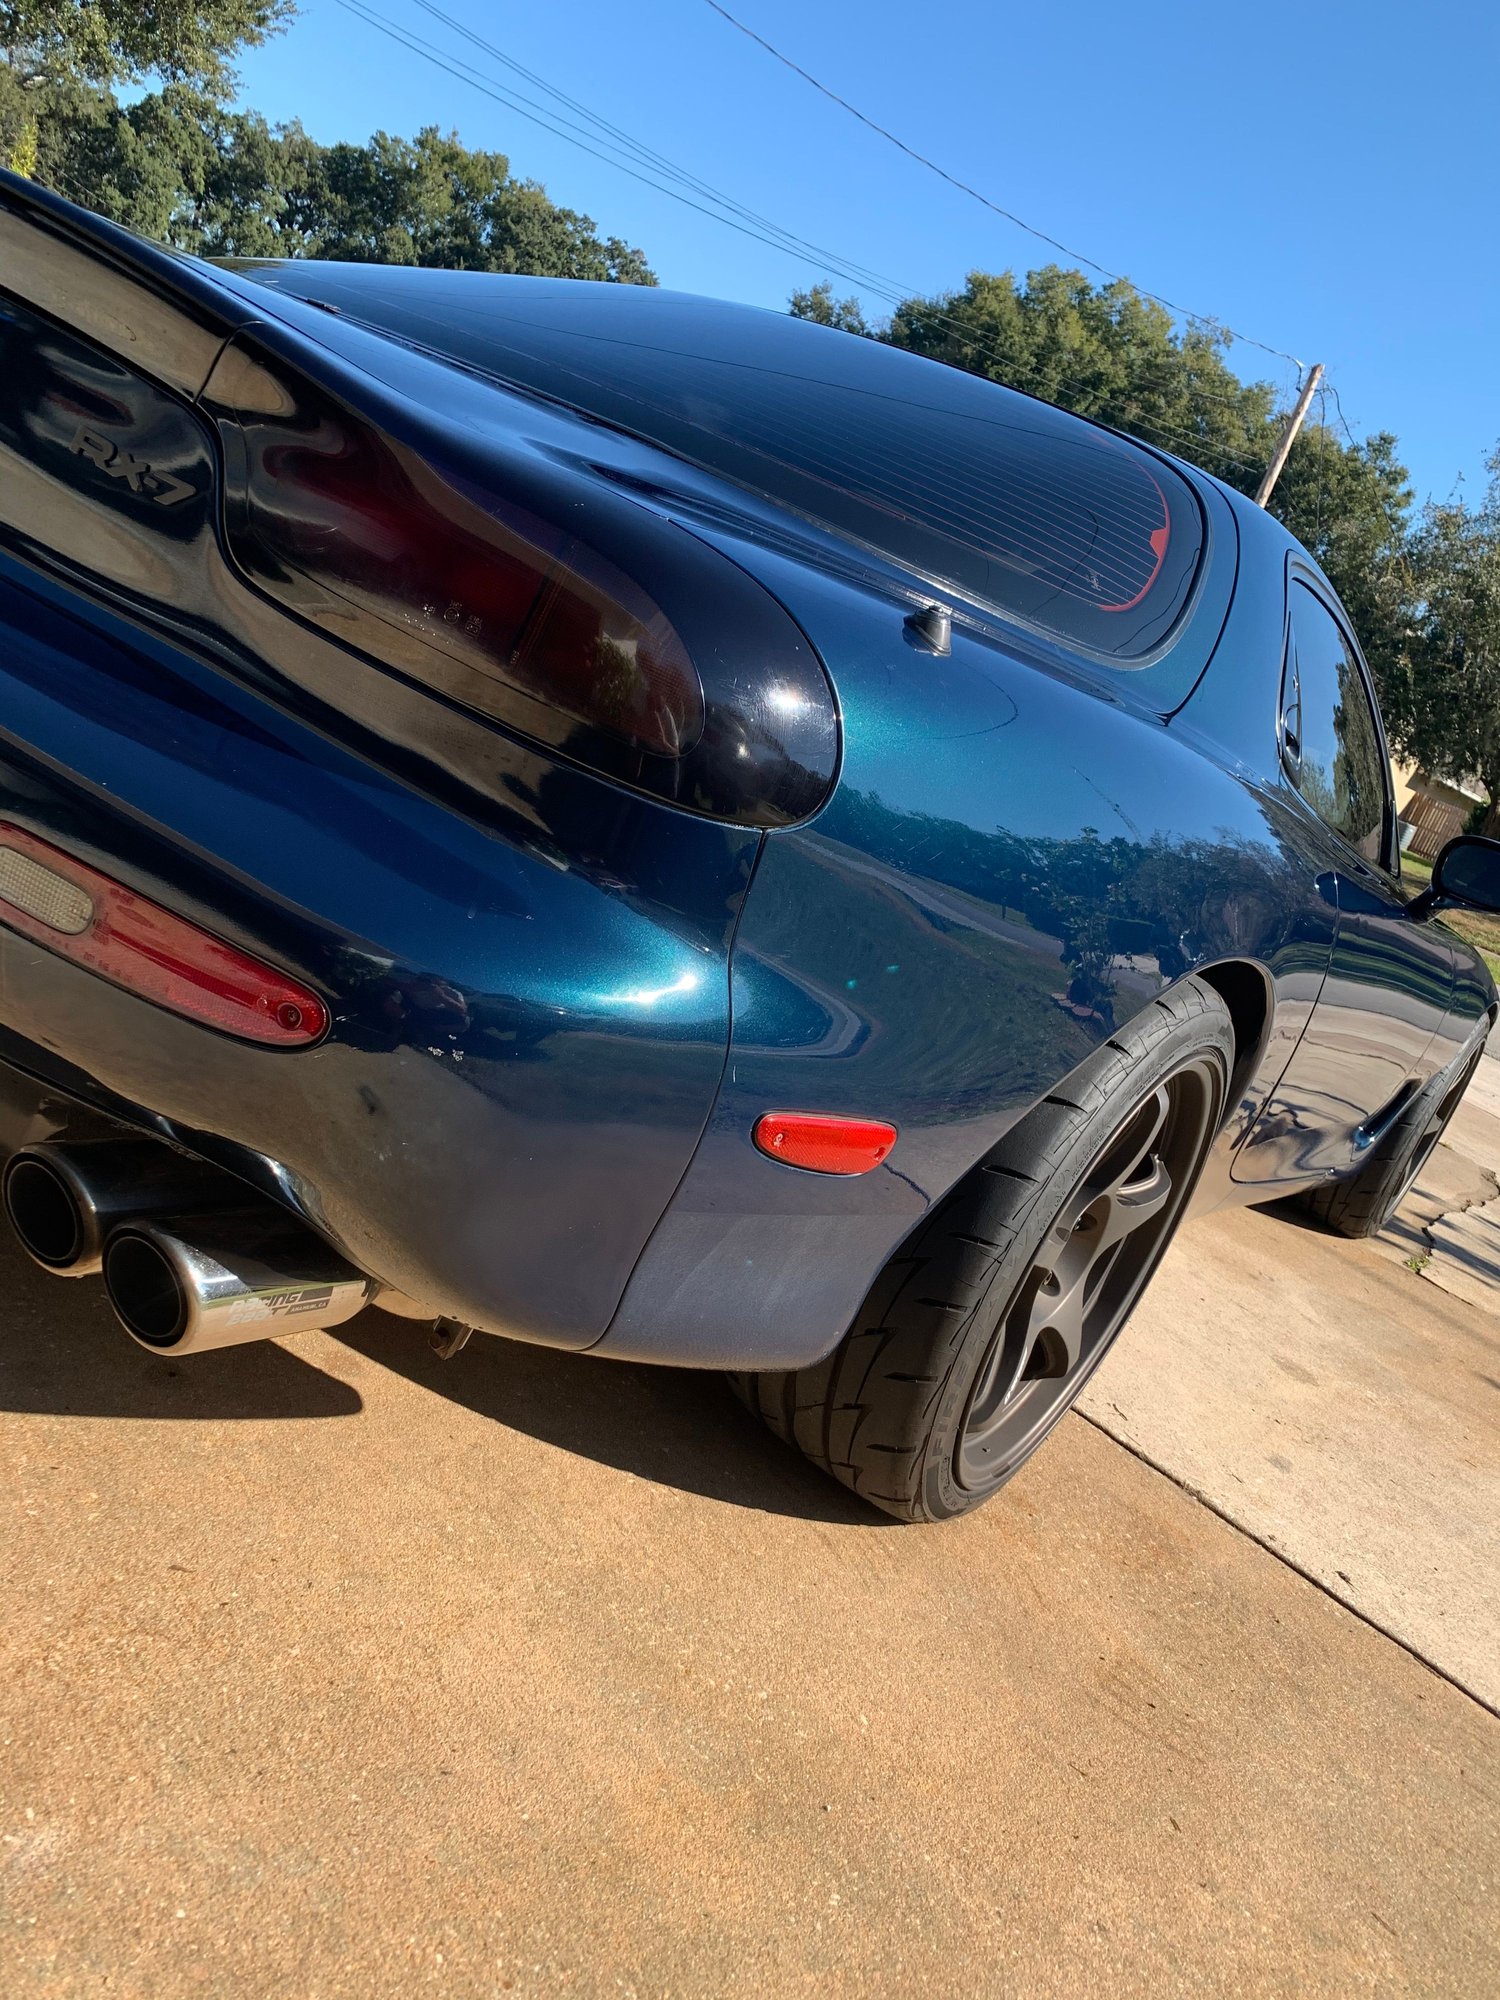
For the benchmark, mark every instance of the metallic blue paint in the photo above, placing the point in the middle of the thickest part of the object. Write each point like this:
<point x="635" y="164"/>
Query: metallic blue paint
<point x="537" y="1003"/>
<point x="1015" y="862"/>
<point x="561" y="1004"/>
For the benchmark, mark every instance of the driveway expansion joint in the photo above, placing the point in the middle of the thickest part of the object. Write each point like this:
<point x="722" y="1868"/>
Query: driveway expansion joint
<point x="1270" y="1547"/>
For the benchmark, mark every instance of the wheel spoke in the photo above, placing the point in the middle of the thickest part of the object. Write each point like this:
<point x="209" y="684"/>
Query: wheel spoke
<point x="1119" y="1210"/>
<point x="1055" y="1335"/>
<point x="1132" y="1183"/>
<point x="1134" y="1145"/>
<point x="1087" y="1271"/>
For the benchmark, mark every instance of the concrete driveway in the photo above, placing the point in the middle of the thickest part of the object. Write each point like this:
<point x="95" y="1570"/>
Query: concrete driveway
<point x="1340" y="1401"/>
<point x="334" y="1670"/>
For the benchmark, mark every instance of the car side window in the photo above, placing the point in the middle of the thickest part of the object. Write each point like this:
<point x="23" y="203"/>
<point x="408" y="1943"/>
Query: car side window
<point x="1329" y="731"/>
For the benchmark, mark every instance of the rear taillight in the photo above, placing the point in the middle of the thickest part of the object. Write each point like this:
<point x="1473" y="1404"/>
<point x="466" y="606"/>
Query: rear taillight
<point x="59" y="901"/>
<point x="457" y="534"/>
<point x="523" y="604"/>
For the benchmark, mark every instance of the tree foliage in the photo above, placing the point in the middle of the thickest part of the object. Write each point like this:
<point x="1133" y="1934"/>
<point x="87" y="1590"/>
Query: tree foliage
<point x="180" y="167"/>
<point x="123" y="41"/>
<point x="1443" y="708"/>
<point x="1350" y="505"/>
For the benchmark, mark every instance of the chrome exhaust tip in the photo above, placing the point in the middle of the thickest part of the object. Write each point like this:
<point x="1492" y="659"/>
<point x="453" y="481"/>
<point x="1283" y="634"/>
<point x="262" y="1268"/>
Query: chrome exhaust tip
<point x="63" y="1200"/>
<point x="186" y="1285"/>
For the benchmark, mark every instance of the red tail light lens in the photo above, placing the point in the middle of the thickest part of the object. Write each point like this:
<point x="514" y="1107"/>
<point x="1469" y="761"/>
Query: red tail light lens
<point x="824" y="1145"/>
<point x="531" y="568"/>
<point x="72" y="909"/>
<point x="349" y="523"/>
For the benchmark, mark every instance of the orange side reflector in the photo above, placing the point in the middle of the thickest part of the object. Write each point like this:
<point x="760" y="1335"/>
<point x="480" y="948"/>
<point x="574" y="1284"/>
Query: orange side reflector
<point x="824" y="1145"/>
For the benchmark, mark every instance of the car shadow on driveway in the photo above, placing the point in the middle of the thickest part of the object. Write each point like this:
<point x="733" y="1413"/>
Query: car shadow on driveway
<point x="669" y="1425"/>
<point x="63" y="1353"/>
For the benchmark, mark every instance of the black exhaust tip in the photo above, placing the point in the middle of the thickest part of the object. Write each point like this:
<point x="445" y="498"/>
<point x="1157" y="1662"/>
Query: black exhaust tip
<point x="44" y="1213"/>
<point x="144" y="1290"/>
<point x="64" y="1197"/>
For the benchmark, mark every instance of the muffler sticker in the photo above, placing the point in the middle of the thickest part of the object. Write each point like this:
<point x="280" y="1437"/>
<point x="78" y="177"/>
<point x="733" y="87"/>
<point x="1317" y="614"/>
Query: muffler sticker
<point x="278" y="1305"/>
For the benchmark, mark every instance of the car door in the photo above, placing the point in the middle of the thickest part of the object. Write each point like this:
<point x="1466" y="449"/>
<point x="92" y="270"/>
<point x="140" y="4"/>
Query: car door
<point x="1389" y="979"/>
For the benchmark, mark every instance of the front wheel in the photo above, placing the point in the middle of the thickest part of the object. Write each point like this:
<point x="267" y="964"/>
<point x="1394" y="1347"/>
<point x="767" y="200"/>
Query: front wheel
<point x="986" y="1324"/>
<point x="1364" y="1203"/>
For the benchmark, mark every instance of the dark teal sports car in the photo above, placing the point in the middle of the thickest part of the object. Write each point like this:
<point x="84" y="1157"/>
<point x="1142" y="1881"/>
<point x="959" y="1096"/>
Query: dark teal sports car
<point x="654" y="827"/>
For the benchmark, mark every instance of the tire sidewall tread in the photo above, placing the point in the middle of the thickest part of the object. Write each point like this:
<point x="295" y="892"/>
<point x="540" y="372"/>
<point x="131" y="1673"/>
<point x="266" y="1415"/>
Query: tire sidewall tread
<point x="892" y="1397"/>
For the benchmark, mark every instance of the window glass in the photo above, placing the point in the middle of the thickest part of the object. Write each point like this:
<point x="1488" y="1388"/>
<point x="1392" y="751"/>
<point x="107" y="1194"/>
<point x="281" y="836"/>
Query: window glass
<point x="1017" y="504"/>
<point x="1340" y="771"/>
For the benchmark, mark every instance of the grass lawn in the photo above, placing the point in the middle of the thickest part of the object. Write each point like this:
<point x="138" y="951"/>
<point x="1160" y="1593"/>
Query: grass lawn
<point x="1480" y="930"/>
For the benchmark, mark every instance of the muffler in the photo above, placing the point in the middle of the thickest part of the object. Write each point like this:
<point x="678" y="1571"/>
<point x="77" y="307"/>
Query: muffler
<point x="183" y="1285"/>
<point x="64" y="1200"/>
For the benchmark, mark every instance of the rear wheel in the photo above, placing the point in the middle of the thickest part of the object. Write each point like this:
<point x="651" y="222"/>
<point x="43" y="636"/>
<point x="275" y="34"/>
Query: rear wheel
<point x="984" y="1327"/>
<point x="1365" y="1203"/>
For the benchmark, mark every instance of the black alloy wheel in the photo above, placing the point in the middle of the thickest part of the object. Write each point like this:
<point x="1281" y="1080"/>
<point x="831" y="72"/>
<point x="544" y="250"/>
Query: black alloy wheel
<point x="989" y="1319"/>
<point x="1093" y="1264"/>
<point x="1437" y="1124"/>
<point x="1364" y="1202"/>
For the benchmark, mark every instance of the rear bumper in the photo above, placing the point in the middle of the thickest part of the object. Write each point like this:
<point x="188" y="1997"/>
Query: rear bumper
<point x="526" y="1039"/>
<point x="423" y="1177"/>
<point x="409" y="1159"/>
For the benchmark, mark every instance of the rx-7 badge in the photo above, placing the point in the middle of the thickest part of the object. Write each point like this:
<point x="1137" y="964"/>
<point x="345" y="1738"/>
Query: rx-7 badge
<point x="137" y="474"/>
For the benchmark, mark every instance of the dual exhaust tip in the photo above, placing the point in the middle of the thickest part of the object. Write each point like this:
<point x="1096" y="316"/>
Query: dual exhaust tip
<point x="188" y="1262"/>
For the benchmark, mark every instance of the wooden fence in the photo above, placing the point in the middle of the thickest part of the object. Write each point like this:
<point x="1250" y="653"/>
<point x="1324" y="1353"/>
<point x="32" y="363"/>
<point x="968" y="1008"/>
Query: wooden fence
<point x="1436" y="822"/>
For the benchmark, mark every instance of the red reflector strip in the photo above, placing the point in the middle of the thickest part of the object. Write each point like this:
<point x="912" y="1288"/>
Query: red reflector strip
<point x="822" y="1144"/>
<point x="62" y="903"/>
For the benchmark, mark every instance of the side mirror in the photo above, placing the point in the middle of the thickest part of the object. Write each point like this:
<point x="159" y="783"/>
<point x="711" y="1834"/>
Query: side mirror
<point x="1466" y="872"/>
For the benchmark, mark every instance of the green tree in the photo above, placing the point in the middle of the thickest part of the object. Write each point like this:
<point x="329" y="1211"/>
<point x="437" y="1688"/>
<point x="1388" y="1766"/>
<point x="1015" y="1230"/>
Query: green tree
<point x="431" y="200"/>
<point x="1102" y="351"/>
<point x="1443" y="709"/>
<point x="819" y="305"/>
<point x="1350" y="506"/>
<point x="180" y="167"/>
<point x="60" y="59"/>
<point x="124" y="41"/>
<point x="128" y="165"/>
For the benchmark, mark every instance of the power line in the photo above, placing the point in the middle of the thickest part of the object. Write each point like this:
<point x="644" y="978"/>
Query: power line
<point x="772" y="234"/>
<point x="890" y="289"/>
<point x="1339" y="406"/>
<point x="643" y="164"/>
<point x="602" y="126"/>
<point x="661" y="163"/>
<point x="758" y="227"/>
<point x="646" y="156"/>
<point x="964" y="187"/>
<point x="467" y="74"/>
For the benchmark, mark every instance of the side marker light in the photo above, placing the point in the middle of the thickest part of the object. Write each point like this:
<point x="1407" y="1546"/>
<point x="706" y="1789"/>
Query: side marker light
<point x="823" y="1144"/>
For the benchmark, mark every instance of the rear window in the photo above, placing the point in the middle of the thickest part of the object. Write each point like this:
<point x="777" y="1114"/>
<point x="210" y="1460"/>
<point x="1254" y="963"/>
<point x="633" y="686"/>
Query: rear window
<point x="1015" y="504"/>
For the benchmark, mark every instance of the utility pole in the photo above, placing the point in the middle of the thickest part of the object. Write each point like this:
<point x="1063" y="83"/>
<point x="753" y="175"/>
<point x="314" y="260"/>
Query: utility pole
<point x="1293" y="425"/>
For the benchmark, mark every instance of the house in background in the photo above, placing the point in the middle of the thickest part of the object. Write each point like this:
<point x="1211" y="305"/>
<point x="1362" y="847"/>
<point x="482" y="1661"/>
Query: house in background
<point x="1431" y="810"/>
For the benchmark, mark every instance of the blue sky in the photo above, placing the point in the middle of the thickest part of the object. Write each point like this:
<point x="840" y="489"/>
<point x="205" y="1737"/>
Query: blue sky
<point x="1323" y="178"/>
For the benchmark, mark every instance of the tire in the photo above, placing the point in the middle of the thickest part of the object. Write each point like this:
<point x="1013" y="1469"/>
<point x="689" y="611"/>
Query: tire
<point x="1363" y="1204"/>
<point x="983" y="1328"/>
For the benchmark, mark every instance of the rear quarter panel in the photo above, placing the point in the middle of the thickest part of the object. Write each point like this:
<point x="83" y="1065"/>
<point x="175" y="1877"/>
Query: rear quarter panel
<point x="527" y="966"/>
<point x="1017" y="860"/>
